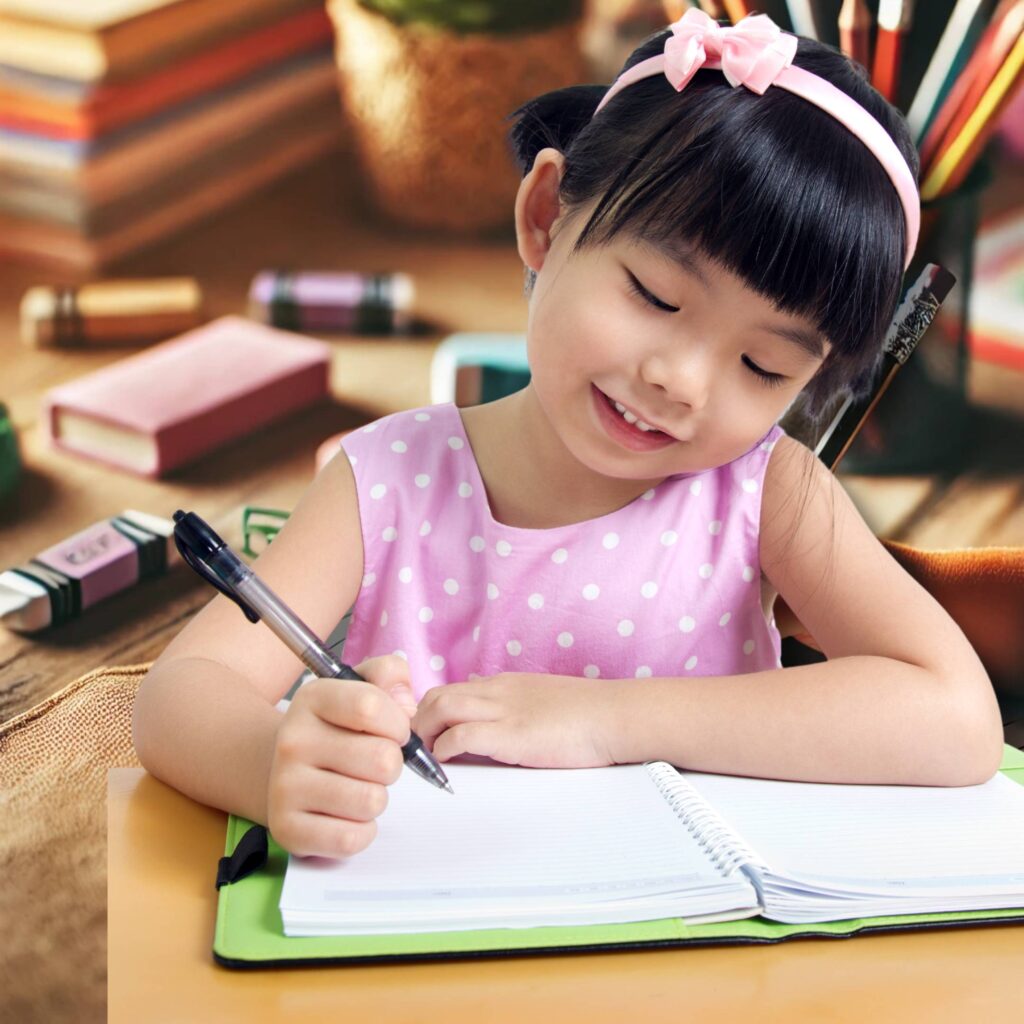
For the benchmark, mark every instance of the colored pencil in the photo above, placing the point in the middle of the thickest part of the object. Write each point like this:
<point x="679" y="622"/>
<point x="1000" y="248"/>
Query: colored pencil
<point x="956" y="160"/>
<point x="675" y="9"/>
<point x="950" y="57"/>
<point x="736" y="9"/>
<point x="801" y="14"/>
<point x="855" y="31"/>
<point x="894" y="18"/>
<point x="989" y="55"/>
<point x="713" y="8"/>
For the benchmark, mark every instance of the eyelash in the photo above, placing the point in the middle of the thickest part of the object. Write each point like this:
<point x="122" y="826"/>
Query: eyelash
<point x="770" y="380"/>
<point x="639" y="290"/>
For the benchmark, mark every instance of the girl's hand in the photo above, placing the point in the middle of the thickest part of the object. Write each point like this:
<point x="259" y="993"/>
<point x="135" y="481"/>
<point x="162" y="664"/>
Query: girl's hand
<point x="337" y="749"/>
<point x="539" y="721"/>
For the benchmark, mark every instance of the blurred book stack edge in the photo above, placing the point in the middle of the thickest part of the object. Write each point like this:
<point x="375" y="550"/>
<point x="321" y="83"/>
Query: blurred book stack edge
<point x="996" y="337"/>
<point x="122" y="121"/>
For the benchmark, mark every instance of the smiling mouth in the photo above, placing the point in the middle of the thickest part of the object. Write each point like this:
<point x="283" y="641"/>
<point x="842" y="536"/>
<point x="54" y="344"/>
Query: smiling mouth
<point x="632" y="419"/>
<point x="626" y="433"/>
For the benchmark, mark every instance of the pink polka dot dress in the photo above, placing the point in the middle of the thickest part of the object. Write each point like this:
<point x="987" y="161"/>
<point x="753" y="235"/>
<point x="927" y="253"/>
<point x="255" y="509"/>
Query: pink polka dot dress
<point x="668" y="585"/>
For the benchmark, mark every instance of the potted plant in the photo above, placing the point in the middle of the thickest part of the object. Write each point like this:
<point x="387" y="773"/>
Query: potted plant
<point x="426" y="86"/>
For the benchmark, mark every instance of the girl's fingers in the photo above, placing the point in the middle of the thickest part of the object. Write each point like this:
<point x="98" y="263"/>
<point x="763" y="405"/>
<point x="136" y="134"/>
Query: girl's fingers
<point x="447" y="706"/>
<point x="318" y="835"/>
<point x="315" y="791"/>
<point x="360" y="755"/>
<point x="360" y="707"/>
<point x="390" y="673"/>
<point x="484" y="738"/>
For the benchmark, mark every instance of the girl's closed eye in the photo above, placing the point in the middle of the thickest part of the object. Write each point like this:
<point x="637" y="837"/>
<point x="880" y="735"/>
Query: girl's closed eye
<point x="641" y="292"/>
<point x="771" y="380"/>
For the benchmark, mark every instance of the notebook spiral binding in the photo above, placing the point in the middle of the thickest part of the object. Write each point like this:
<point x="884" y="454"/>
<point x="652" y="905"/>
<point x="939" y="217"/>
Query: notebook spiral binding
<point x="724" y="848"/>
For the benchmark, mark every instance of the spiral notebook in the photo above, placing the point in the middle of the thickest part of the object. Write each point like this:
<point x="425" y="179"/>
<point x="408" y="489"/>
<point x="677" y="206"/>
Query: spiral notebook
<point x="529" y="848"/>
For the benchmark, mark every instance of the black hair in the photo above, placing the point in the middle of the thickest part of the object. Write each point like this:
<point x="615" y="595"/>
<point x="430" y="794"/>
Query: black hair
<point x="769" y="187"/>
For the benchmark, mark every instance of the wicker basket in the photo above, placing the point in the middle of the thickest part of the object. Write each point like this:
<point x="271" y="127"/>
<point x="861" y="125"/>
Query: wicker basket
<point x="426" y="109"/>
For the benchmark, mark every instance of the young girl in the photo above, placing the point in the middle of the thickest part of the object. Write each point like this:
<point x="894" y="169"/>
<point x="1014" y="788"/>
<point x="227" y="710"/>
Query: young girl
<point x="594" y="560"/>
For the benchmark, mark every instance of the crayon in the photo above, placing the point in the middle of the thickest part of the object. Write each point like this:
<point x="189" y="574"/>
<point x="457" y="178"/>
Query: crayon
<point x="344" y="301"/>
<point x="109" y="312"/>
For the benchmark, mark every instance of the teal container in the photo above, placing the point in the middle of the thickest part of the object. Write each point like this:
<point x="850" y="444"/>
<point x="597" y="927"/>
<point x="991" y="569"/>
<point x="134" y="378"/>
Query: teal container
<point x="495" y="360"/>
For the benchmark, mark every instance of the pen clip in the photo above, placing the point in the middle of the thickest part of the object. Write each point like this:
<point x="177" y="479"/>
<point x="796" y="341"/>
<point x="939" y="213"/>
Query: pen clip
<point x="190" y="531"/>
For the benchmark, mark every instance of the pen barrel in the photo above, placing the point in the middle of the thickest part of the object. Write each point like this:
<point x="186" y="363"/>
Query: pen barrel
<point x="912" y="319"/>
<point x="283" y="622"/>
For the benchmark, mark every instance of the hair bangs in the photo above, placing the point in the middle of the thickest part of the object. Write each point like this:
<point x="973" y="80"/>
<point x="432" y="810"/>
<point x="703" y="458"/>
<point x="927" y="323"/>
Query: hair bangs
<point x="777" y="197"/>
<point x="769" y="186"/>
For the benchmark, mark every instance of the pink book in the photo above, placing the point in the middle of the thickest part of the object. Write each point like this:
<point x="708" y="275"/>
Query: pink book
<point x="176" y="401"/>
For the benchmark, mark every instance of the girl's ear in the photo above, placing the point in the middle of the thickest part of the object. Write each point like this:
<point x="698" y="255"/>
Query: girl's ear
<point x="538" y="207"/>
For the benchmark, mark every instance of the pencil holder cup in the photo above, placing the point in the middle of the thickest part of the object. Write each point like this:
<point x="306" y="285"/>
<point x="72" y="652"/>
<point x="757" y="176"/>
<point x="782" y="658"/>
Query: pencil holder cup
<point x="426" y="86"/>
<point x="922" y="422"/>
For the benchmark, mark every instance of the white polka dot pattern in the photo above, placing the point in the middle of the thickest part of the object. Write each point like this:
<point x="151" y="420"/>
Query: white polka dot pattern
<point x="658" y="588"/>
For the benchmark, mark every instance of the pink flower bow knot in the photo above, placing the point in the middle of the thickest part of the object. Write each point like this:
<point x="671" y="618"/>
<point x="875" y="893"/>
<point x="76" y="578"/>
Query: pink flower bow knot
<point x="751" y="53"/>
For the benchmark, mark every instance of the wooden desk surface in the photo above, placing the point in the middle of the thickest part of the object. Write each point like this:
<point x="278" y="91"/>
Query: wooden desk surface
<point x="312" y="221"/>
<point x="162" y="855"/>
<point x="317" y="219"/>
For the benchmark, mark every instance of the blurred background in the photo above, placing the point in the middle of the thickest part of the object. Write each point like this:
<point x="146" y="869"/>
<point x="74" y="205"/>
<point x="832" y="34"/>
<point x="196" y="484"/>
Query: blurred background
<point x="342" y="170"/>
<point x="229" y="168"/>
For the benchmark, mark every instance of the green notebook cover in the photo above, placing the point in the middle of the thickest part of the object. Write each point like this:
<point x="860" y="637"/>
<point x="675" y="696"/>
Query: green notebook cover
<point x="249" y="933"/>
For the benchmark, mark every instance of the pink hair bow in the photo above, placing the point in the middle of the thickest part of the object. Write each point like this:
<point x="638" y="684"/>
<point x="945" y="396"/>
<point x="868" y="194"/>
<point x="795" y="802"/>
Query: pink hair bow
<point x="751" y="53"/>
<point x="756" y="53"/>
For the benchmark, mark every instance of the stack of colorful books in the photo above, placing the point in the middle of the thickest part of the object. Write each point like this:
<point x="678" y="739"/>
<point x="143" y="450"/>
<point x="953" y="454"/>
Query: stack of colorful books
<point x="122" y="121"/>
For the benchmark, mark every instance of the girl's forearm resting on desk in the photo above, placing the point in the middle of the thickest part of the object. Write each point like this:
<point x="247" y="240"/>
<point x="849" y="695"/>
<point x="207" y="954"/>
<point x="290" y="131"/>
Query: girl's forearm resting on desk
<point x="859" y="719"/>
<point x="197" y="729"/>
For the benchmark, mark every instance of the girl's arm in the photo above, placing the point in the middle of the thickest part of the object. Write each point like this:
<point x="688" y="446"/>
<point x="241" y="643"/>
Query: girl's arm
<point x="902" y="700"/>
<point x="205" y="719"/>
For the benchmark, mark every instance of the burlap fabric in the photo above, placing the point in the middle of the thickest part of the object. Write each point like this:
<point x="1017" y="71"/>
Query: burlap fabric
<point x="427" y="111"/>
<point x="53" y="847"/>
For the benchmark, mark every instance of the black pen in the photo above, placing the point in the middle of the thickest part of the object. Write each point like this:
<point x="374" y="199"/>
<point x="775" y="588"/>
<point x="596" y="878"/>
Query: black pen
<point x="209" y="556"/>
<point x="913" y="317"/>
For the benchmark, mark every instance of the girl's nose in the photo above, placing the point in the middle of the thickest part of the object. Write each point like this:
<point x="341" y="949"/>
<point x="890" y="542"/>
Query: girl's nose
<point x="683" y="376"/>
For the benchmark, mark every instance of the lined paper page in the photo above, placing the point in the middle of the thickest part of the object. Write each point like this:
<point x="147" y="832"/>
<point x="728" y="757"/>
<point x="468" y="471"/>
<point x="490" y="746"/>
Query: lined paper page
<point x="508" y="832"/>
<point x="515" y="848"/>
<point x="946" y="838"/>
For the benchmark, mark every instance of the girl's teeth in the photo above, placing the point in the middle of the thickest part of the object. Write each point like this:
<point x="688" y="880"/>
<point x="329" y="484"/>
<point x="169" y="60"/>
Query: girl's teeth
<point x="630" y="418"/>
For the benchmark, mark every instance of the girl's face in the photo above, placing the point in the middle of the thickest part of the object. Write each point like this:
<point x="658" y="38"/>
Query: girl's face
<point x="679" y="342"/>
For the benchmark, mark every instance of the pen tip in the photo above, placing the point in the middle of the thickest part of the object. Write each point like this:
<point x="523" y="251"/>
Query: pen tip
<point x="448" y="787"/>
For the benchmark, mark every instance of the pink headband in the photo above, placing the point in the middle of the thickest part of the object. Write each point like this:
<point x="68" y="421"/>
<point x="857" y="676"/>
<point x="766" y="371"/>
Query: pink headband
<point x="756" y="53"/>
